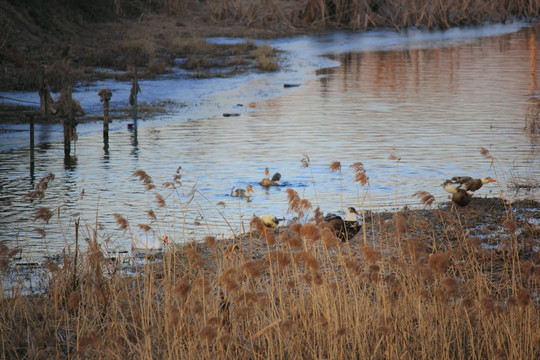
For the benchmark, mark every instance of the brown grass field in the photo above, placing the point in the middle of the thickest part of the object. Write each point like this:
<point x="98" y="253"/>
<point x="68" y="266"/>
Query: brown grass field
<point x="433" y="283"/>
<point x="413" y="284"/>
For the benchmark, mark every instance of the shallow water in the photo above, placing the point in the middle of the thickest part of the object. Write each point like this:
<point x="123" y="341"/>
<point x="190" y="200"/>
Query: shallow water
<point x="432" y="99"/>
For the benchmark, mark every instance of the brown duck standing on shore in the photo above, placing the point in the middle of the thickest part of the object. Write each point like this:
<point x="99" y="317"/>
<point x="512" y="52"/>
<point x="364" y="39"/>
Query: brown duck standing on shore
<point x="461" y="197"/>
<point x="266" y="181"/>
<point x="344" y="229"/>
<point x="466" y="183"/>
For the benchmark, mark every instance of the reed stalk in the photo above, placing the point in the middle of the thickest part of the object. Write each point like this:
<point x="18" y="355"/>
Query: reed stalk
<point x="443" y="295"/>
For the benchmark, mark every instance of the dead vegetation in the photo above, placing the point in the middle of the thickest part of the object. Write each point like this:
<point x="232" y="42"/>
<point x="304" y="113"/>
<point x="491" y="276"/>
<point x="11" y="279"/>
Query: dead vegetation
<point x="152" y="34"/>
<point x="432" y="283"/>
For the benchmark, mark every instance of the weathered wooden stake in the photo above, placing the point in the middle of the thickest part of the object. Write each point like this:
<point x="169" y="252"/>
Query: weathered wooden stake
<point x="67" y="122"/>
<point x="105" y="96"/>
<point x="135" y="89"/>
<point x="32" y="147"/>
<point x="45" y="99"/>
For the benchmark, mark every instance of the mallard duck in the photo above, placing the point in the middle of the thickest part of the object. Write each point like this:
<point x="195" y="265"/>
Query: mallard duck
<point x="241" y="192"/>
<point x="270" y="221"/>
<point x="450" y="186"/>
<point x="141" y="242"/>
<point x="266" y="181"/>
<point x="344" y="229"/>
<point x="461" y="197"/>
<point x="466" y="183"/>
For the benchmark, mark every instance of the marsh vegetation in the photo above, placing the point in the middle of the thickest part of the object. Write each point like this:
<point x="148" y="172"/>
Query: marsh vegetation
<point x="414" y="283"/>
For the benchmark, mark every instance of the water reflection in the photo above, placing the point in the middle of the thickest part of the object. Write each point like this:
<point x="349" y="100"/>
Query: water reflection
<point x="413" y="116"/>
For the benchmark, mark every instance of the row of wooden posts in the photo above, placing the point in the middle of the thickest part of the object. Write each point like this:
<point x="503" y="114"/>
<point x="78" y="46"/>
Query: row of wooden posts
<point x="69" y="123"/>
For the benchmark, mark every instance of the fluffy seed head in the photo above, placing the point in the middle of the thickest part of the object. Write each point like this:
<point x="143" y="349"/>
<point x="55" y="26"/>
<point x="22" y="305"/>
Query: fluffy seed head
<point x="305" y="160"/>
<point x="210" y="241"/>
<point x="310" y="232"/>
<point x="43" y="214"/>
<point x="523" y="297"/>
<point x="510" y="225"/>
<point x="182" y="289"/>
<point x="309" y="260"/>
<point x="208" y="333"/>
<point x="360" y="173"/>
<point x="253" y="268"/>
<point x="487" y="304"/>
<point x="74" y="299"/>
<point x="328" y="238"/>
<point x="439" y="262"/>
<point x="370" y="254"/>
<point x="145" y="179"/>
<point x="335" y="166"/>
<point x="426" y="198"/>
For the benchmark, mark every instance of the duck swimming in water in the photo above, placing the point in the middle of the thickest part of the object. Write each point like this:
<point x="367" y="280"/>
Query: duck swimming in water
<point x="344" y="229"/>
<point x="241" y="192"/>
<point x="266" y="181"/>
<point x="466" y="183"/>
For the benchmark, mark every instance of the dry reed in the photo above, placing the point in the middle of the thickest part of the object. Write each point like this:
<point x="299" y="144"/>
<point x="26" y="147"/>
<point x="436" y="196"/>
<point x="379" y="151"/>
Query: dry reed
<point x="440" y="295"/>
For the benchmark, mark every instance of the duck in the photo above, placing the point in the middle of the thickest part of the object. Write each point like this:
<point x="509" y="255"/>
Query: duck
<point x="270" y="221"/>
<point x="266" y="181"/>
<point x="142" y="242"/>
<point x="461" y="197"/>
<point x="466" y="183"/>
<point x="344" y="229"/>
<point x="450" y="187"/>
<point x="241" y="192"/>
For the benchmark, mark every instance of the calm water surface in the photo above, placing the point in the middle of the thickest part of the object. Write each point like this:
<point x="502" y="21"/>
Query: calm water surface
<point x="430" y="99"/>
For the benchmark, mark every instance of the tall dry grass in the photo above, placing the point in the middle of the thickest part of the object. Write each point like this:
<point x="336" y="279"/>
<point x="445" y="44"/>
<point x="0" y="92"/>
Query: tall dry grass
<point x="290" y="293"/>
<point x="365" y="14"/>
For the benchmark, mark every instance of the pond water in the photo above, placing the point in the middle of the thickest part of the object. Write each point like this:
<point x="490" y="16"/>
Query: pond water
<point x="415" y="107"/>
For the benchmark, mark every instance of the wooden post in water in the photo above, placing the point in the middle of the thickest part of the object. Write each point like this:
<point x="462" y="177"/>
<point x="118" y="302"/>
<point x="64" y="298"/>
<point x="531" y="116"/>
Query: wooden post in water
<point x="32" y="147"/>
<point x="70" y="132"/>
<point x="105" y="96"/>
<point x="66" y="122"/>
<point x="45" y="100"/>
<point x="135" y="89"/>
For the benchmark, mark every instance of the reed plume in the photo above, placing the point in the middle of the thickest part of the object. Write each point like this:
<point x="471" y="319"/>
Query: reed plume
<point x="335" y="166"/>
<point x="144" y="227"/>
<point x="370" y="254"/>
<point x="253" y="268"/>
<point x="308" y="260"/>
<point x="44" y="214"/>
<point x="121" y="221"/>
<point x="145" y="179"/>
<point x="160" y="200"/>
<point x="74" y="300"/>
<point x="208" y="333"/>
<point x="524" y="297"/>
<point x="310" y="232"/>
<point x="182" y="288"/>
<point x="210" y="241"/>
<point x="439" y="262"/>
<point x="306" y="163"/>
<point x="425" y="197"/>
<point x="328" y="238"/>
<point x="281" y="258"/>
<point x="256" y="224"/>
<point x="296" y="205"/>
